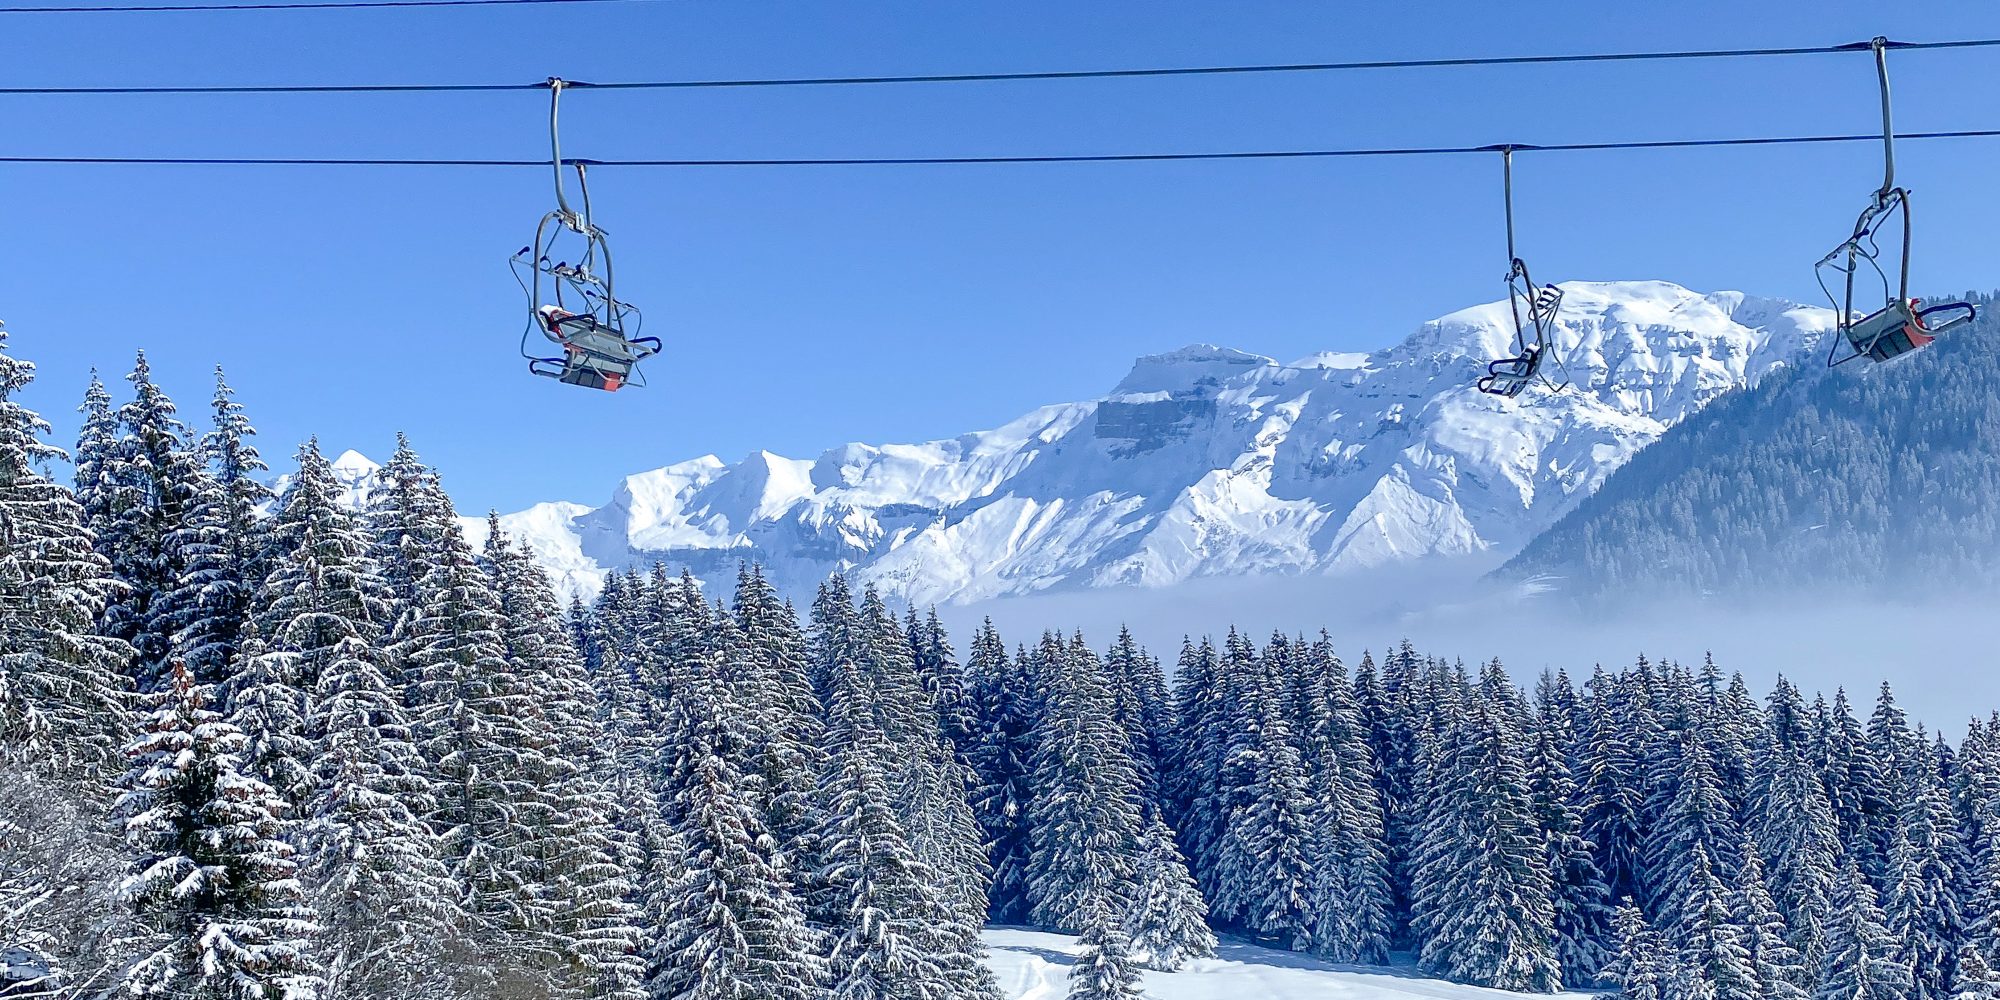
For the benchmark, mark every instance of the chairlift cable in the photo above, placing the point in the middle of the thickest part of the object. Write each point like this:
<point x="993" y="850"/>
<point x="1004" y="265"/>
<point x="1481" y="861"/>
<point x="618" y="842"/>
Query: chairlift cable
<point x="1565" y="147"/>
<point x="1088" y="74"/>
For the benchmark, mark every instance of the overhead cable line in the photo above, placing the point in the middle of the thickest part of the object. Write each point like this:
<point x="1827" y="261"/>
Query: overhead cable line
<point x="1096" y="74"/>
<point x="1286" y="154"/>
<point x="183" y="8"/>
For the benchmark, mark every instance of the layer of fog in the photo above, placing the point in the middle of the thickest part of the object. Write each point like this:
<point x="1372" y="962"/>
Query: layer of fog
<point x="1937" y="653"/>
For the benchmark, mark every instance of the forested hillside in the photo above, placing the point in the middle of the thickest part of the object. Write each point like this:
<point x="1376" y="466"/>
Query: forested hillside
<point x="1870" y="481"/>
<point x="313" y="754"/>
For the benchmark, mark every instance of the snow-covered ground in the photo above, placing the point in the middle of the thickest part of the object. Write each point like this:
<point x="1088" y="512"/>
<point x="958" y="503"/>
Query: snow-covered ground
<point x="1033" y="965"/>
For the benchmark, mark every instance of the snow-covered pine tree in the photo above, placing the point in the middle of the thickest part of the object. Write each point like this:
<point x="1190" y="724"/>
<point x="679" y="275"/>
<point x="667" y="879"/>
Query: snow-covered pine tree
<point x="1085" y="824"/>
<point x="1785" y="716"/>
<point x="929" y="792"/>
<point x="1928" y="868"/>
<point x="1482" y="882"/>
<point x="1008" y="707"/>
<point x="102" y="498"/>
<point x="406" y="528"/>
<point x="732" y="929"/>
<point x="1611" y="791"/>
<point x="1860" y="962"/>
<point x="1350" y="898"/>
<point x="1735" y="729"/>
<point x="1193" y="786"/>
<point x="1779" y="972"/>
<point x="387" y="908"/>
<point x="269" y="706"/>
<point x="159" y="479"/>
<point x="1583" y="911"/>
<point x="63" y="687"/>
<point x="1643" y="966"/>
<point x="1975" y="980"/>
<point x="1139" y="694"/>
<point x="621" y="672"/>
<point x="1796" y="830"/>
<point x="1168" y="922"/>
<point x="886" y="909"/>
<point x="1104" y="967"/>
<point x="943" y="680"/>
<point x="1895" y="751"/>
<point x="215" y="887"/>
<point x="1856" y="788"/>
<point x="789" y="756"/>
<point x="221" y="542"/>
<point x="566" y="811"/>
<point x="480" y="731"/>
<point x="1693" y="816"/>
<point x="1392" y="742"/>
<point x="1710" y="940"/>
<point x="1264" y="874"/>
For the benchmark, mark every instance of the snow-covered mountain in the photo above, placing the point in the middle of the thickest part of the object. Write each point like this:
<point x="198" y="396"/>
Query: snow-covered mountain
<point x="1208" y="461"/>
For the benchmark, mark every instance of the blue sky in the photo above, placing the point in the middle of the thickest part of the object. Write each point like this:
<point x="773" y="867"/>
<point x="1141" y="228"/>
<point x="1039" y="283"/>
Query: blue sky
<point x="807" y="307"/>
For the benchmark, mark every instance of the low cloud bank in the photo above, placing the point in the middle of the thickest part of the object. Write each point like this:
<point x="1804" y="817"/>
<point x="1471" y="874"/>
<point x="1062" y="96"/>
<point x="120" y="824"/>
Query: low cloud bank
<point x="1939" y="654"/>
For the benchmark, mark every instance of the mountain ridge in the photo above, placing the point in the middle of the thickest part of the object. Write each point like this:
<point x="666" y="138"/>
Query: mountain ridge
<point x="1206" y="461"/>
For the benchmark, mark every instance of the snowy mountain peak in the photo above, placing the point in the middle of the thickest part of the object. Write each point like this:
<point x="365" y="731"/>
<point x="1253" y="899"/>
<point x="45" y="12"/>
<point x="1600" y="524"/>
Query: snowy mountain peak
<point x="1209" y="461"/>
<point x="354" y="464"/>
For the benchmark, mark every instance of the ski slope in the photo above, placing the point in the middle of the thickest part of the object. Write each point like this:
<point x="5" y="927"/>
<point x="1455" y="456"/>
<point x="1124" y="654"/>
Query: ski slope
<point x="1033" y="965"/>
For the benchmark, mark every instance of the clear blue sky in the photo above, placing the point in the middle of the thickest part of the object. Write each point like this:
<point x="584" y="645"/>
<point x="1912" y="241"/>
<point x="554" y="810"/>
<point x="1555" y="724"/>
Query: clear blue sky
<point x="807" y="307"/>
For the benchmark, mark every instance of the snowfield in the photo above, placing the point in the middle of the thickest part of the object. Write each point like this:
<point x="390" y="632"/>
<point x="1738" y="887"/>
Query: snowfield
<point x="1033" y="965"/>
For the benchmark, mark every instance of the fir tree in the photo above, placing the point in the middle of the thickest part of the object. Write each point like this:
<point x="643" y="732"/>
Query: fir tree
<point x="1611" y="793"/>
<point x="1085" y="823"/>
<point x="1582" y="910"/>
<point x="888" y="912"/>
<point x="155" y="533"/>
<point x="1779" y="972"/>
<point x="220" y="543"/>
<point x="732" y="930"/>
<point x="102" y="497"/>
<point x="1482" y="882"/>
<point x="1168" y="922"/>
<point x="387" y="906"/>
<point x="581" y="875"/>
<point x="481" y="735"/>
<point x="1711" y="941"/>
<point x="1975" y="980"/>
<point x="214" y="886"/>
<point x="1007" y="707"/>
<point x="1643" y="967"/>
<point x="1860" y="961"/>
<point x="1796" y="830"/>
<point x="1350" y="896"/>
<point x="1693" y="818"/>
<point x="63" y="687"/>
<point x="1104" y="969"/>
<point x="1927" y="867"/>
<point x="1264" y="878"/>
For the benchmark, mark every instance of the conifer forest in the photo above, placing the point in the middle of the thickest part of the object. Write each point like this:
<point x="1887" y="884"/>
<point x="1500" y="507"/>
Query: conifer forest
<point x="257" y="744"/>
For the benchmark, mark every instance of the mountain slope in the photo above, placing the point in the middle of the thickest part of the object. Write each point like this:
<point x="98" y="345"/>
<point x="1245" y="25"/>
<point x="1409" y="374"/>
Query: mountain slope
<point x="1869" y="481"/>
<point x="1209" y="462"/>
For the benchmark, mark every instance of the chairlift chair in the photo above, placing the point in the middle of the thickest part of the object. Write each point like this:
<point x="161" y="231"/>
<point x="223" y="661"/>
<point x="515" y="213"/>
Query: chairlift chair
<point x="570" y="303"/>
<point x="1902" y="325"/>
<point x="1534" y="309"/>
